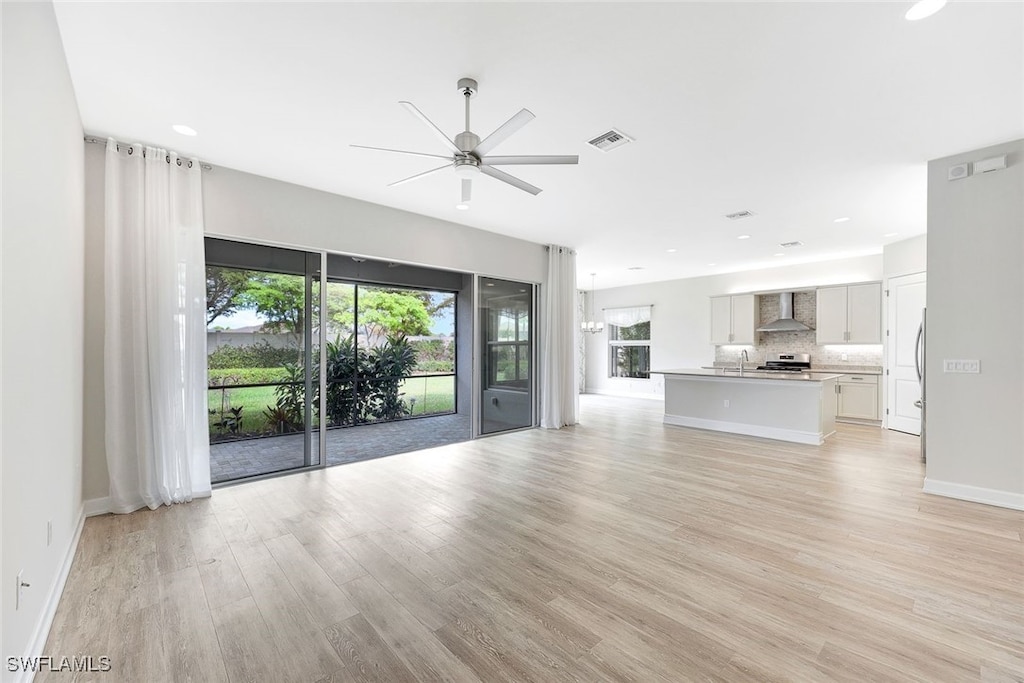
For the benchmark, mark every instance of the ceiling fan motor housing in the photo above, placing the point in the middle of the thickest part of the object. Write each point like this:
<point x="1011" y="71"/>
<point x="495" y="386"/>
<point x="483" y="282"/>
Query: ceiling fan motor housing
<point x="467" y="141"/>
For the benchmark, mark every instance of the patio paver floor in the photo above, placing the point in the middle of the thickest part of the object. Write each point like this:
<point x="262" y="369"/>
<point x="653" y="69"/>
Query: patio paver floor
<point x="246" y="458"/>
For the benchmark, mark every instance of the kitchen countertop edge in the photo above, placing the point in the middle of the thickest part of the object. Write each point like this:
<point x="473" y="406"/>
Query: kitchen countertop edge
<point x="818" y="376"/>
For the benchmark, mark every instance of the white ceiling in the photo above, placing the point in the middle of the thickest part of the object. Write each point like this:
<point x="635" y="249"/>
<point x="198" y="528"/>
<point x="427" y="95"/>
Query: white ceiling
<point x="799" y="112"/>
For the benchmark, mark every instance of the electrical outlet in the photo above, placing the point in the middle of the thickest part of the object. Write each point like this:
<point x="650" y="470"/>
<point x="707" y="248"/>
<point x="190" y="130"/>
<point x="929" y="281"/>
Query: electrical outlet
<point x="726" y="403"/>
<point x="49" y="532"/>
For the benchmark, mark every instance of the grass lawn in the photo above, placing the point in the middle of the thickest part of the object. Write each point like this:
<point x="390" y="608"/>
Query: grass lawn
<point x="426" y="395"/>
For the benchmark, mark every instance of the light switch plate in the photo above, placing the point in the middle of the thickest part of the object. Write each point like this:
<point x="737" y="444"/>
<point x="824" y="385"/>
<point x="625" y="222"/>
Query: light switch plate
<point x="972" y="367"/>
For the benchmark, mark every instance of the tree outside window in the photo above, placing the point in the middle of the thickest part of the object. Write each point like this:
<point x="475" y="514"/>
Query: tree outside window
<point x="629" y="350"/>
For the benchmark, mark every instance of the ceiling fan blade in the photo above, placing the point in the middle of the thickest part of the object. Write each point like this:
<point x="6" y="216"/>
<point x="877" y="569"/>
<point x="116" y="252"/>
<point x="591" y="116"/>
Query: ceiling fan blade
<point x="510" y="179"/>
<point x="402" y="151"/>
<point x="419" y="175"/>
<point x="503" y="132"/>
<point x="430" y="124"/>
<point x="467" y="190"/>
<point x="521" y="160"/>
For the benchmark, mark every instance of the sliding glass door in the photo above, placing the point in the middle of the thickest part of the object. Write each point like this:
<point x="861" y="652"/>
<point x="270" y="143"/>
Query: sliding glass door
<point x="507" y="352"/>
<point x="263" y="357"/>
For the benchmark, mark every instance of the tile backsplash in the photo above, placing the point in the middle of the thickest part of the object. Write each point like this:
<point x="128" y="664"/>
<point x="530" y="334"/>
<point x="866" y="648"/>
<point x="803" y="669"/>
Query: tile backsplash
<point x="798" y="342"/>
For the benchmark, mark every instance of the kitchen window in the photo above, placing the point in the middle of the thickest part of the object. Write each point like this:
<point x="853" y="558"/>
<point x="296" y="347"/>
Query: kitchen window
<point x="629" y="342"/>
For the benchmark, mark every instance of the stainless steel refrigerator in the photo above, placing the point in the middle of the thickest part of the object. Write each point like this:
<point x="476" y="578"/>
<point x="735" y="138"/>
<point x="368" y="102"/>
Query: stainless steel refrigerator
<point x="919" y="362"/>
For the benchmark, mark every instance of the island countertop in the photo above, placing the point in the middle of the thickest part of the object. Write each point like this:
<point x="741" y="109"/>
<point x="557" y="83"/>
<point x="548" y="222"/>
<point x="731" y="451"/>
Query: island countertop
<point x="815" y="376"/>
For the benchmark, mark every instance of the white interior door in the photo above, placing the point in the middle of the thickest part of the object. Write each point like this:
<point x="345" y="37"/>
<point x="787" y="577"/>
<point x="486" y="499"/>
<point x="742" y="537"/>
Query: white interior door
<point x="906" y="301"/>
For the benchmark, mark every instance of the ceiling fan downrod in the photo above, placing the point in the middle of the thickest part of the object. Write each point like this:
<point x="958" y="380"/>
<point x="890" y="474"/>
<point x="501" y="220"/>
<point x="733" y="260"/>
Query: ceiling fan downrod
<point x="466" y="140"/>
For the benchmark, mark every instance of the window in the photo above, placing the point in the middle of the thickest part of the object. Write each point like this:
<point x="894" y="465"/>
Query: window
<point x="629" y="350"/>
<point x="508" y="345"/>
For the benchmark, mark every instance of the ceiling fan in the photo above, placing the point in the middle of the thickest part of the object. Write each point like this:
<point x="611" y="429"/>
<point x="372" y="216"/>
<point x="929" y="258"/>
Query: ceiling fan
<point x="469" y="154"/>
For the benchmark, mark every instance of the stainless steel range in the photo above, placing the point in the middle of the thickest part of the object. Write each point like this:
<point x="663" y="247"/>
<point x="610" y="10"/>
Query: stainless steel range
<point x="786" y="362"/>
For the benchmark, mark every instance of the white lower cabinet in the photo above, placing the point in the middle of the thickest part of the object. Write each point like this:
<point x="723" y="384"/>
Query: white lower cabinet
<point x="857" y="398"/>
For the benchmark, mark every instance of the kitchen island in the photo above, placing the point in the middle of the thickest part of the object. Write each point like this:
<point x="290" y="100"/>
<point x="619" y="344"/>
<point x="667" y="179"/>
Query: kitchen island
<point x="798" y="407"/>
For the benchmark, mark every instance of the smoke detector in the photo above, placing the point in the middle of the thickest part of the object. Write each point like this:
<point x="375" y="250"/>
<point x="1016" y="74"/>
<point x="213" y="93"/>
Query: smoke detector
<point x="606" y="142"/>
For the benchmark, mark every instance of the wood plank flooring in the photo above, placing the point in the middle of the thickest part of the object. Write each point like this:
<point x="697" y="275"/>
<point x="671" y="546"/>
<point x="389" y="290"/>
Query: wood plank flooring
<point x="619" y="550"/>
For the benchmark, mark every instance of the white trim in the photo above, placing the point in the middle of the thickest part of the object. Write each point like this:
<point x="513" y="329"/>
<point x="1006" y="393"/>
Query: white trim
<point x="42" y="630"/>
<point x="649" y="395"/>
<point x="96" y="506"/>
<point x="975" y="494"/>
<point x="792" y="435"/>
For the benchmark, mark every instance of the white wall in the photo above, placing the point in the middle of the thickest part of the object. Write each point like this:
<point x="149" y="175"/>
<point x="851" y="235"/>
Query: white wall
<point x="975" y="423"/>
<point x="905" y="257"/>
<point x="244" y="206"/>
<point x="681" y="318"/>
<point x="42" y="322"/>
<point x="247" y="207"/>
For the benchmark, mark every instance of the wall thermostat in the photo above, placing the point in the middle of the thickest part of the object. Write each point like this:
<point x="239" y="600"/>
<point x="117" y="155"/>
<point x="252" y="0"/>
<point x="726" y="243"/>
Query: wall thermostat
<point x="991" y="164"/>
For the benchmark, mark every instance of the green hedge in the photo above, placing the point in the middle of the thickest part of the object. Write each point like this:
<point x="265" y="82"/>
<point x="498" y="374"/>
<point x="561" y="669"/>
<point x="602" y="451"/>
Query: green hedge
<point x="260" y="355"/>
<point x="229" y="376"/>
<point x="425" y="366"/>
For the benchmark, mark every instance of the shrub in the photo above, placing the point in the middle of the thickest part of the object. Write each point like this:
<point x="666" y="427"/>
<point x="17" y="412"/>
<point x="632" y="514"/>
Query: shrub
<point x="258" y="355"/>
<point x="432" y="366"/>
<point x="229" y="376"/>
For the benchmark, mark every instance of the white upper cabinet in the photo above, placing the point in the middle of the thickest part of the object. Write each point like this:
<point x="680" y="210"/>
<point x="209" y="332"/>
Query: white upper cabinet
<point x="850" y="314"/>
<point x="733" y="319"/>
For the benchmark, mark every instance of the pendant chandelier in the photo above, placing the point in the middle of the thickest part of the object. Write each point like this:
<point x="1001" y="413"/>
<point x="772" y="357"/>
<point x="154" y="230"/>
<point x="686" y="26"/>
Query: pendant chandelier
<point x="588" y="324"/>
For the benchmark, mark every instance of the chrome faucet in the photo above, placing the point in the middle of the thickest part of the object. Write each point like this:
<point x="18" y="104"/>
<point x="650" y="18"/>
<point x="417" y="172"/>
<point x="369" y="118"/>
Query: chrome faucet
<point x="743" y="357"/>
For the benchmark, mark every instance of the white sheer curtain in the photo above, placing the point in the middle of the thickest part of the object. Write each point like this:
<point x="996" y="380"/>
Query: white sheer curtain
<point x="157" y="434"/>
<point x="628" y="316"/>
<point x="560" y="396"/>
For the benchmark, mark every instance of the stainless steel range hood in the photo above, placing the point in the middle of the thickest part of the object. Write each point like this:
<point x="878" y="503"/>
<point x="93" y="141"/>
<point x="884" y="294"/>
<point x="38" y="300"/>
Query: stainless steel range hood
<point x="786" y="322"/>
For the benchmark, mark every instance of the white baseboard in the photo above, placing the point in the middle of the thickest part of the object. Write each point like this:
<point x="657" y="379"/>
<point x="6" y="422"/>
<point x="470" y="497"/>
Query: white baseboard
<point x="96" y="506"/>
<point x="975" y="494"/>
<point x="626" y="394"/>
<point x="42" y="631"/>
<point x="101" y="506"/>
<point x="792" y="435"/>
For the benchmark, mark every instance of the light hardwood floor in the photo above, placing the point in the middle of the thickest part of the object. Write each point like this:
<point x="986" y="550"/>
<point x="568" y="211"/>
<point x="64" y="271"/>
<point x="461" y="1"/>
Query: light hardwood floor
<point x="620" y="549"/>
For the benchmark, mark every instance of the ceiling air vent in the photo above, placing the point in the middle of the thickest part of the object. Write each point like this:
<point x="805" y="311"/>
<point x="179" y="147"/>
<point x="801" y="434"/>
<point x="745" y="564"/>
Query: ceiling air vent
<point x="787" y="245"/>
<point x="738" y="215"/>
<point x="606" y="142"/>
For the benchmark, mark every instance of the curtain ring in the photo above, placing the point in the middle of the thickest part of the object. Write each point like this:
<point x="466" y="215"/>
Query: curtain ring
<point x="131" y="150"/>
<point x="179" y="162"/>
<point x="190" y="163"/>
<point x="167" y="158"/>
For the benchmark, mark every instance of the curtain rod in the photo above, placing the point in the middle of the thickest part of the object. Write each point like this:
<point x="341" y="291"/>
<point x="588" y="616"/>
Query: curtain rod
<point x="92" y="139"/>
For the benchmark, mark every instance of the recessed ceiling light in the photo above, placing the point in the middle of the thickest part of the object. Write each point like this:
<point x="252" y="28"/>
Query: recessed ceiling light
<point x="890" y="234"/>
<point x="712" y="264"/>
<point x="671" y="251"/>
<point x="462" y="207"/>
<point x="923" y="9"/>
<point x="183" y="129"/>
<point x="490" y="284"/>
<point x="841" y="220"/>
<point x="635" y="268"/>
<point x="743" y="237"/>
<point x="780" y="254"/>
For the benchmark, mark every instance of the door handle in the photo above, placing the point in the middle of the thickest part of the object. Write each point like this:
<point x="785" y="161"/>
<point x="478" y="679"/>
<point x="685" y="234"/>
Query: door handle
<point x="917" y="351"/>
<point x="919" y="404"/>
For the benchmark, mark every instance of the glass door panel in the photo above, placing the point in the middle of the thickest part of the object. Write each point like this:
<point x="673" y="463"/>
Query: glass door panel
<point x="507" y="384"/>
<point x="262" y="359"/>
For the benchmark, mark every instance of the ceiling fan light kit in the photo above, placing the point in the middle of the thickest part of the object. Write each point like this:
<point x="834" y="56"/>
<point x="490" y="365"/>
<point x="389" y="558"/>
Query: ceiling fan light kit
<point x="469" y="157"/>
